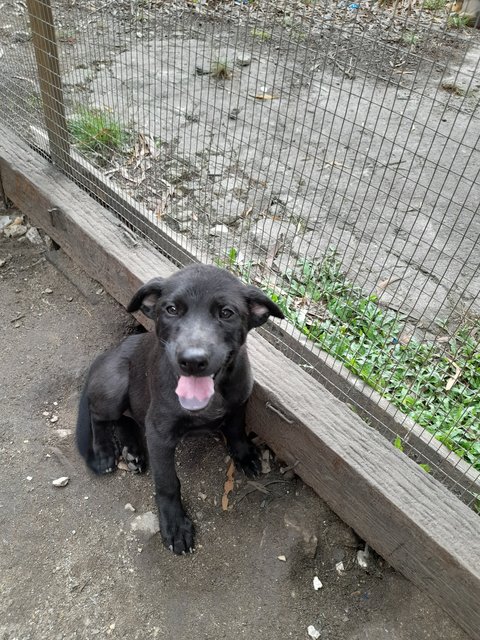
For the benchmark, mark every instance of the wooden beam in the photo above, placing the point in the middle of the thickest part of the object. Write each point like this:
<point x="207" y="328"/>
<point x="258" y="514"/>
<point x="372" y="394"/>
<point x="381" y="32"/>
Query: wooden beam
<point x="409" y="518"/>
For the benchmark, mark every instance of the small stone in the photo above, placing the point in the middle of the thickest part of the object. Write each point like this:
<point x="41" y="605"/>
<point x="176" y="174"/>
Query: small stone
<point x="29" y="478"/>
<point x="202" y="496"/>
<point x="99" y="291"/>
<point x="234" y="113"/>
<point x="202" y="69"/>
<point x="63" y="433"/>
<point x="129" y="507"/>
<point x="15" y="230"/>
<point x="48" y="291"/>
<point x="20" y="36"/>
<point x="49" y="243"/>
<point x="282" y="558"/>
<point x="33" y="236"/>
<point x="46" y="413"/>
<point x="4" y="222"/>
<point x="147" y="523"/>
<point x="340" y="568"/>
<point x="317" y="583"/>
<point x="265" y="461"/>
<point x="61" y="482"/>
<point x="69" y="299"/>
<point x="313" y="632"/>
<point x="2" y="262"/>
<point x="218" y="230"/>
<point x="243" y="60"/>
<point x="363" y="557"/>
<point x="54" y="419"/>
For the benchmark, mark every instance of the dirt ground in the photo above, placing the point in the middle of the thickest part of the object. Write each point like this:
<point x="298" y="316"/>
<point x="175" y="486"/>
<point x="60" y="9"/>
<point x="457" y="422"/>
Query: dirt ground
<point x="73" y="566"/>
<point x="337" y="126"/>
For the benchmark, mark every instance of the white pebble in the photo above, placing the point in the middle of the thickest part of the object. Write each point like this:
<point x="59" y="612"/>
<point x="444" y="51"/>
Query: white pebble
<point x="317" y="583"/>
<point x="61" y="482"/>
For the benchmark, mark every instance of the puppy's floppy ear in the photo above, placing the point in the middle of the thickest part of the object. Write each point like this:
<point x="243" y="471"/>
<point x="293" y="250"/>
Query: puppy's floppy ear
<point x="260" y="307"/>
<point x="146" y="297"/>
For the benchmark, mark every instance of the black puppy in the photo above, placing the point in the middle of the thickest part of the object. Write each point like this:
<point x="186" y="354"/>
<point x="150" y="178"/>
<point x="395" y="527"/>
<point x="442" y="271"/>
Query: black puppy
<point x="191" y="373"/>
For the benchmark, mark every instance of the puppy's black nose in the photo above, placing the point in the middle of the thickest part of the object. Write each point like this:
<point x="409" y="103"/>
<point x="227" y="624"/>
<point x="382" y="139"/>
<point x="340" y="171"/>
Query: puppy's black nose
<point x="193" y="361"/>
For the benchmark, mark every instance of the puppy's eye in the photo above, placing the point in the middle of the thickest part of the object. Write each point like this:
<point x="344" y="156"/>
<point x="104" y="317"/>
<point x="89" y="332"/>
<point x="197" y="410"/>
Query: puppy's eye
<point x="172" y="310"/>
<point x="226" y="313"/>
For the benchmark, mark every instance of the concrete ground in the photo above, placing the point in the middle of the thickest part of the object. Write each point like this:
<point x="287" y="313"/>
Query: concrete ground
<point x="73" y="566"/>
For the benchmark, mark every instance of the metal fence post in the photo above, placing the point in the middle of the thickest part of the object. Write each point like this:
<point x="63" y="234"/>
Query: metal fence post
<point x="48" y="67"/>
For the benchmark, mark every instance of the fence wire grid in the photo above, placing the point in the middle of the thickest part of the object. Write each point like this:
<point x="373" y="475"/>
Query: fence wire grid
<point x="327" y="152"/>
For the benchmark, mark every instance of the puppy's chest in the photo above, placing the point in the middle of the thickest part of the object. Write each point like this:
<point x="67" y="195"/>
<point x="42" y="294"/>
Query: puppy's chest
<point x="198" y="425"/>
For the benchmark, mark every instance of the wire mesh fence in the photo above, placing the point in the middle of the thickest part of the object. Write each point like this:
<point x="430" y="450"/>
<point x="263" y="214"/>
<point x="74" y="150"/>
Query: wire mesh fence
<point x="327" y="152"/>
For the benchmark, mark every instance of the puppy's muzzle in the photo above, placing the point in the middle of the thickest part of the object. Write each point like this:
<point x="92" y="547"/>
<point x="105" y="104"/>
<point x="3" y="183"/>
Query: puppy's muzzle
<point x="193" y="361"/>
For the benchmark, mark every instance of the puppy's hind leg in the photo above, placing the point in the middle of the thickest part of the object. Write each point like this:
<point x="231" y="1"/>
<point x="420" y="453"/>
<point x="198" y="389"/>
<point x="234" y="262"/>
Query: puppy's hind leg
<point x="95" y="439"/>
<point x="103" y="403"/>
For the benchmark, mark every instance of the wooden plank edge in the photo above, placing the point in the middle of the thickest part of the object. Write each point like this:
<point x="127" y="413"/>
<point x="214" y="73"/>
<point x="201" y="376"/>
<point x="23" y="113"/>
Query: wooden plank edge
<point x="455" y="472"/>
<point x="407" y="517"/>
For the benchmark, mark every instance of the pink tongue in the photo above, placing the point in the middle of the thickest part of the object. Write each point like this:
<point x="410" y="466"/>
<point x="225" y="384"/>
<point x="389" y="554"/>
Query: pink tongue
<point x="194" y="393"/>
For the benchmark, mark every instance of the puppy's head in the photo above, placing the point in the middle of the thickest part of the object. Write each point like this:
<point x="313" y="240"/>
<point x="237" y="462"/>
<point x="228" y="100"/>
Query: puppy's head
<point x="202" y="316"/>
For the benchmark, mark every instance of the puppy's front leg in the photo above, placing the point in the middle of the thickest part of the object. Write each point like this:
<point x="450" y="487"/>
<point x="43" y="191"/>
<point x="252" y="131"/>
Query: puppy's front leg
<point x="244" y="453"/>
<point x="175" y="526"/>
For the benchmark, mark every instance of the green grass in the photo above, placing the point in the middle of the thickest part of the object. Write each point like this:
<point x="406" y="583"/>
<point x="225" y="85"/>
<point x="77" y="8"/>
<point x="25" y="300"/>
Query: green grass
<point x="458" y="21"/>
<point x="261" y="34"/>
<point x="331" y="311"/>
<point x="96" y="131"/>
<point x="411" y="38"/>
<point x="434" y="5"/>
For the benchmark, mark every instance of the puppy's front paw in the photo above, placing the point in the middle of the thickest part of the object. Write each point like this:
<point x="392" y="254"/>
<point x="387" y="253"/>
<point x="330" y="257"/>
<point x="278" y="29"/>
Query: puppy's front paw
<point x="248" y="461"/>
<point x="177" y="532"/>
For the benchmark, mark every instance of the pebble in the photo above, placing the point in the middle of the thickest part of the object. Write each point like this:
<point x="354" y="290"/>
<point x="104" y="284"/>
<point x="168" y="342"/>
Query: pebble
<point x="129" y="507"/>
<point x="313" y="632"/>
<point x="61" y="482"/>
<point x="218" y="230"/>
<point x="15" y="230"/>
<point x="33" y="236"/>
<point x="317" y="583"/>
<point x="340" y="568"/>
<point x="146" y="523"/>
<point x="54" y="419"/>
<point x="48" y="291"/>
<point x="282" y="558"/>
<point x="243" y="60"/>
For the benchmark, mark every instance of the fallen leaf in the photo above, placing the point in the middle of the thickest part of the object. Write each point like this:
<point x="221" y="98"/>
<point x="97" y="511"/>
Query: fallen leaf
<point x="264" y="96"/>
<point x="451" y="381"/>
<point x="383" y="284"/>
<point x="228" y="486"/>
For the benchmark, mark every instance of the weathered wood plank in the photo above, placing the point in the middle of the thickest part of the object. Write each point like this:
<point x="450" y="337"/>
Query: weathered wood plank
<point x="48" y="70"/>
<point x="403" y="513"/>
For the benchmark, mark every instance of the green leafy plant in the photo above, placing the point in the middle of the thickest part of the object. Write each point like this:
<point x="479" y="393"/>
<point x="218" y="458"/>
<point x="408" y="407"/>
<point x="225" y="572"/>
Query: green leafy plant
<point x="221" y="70"/>
<point x="458" y="21"/>
<point x="421" y="378"/>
